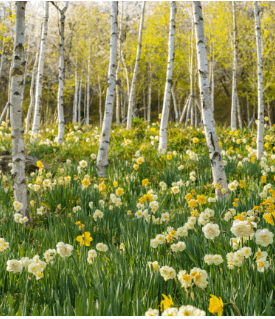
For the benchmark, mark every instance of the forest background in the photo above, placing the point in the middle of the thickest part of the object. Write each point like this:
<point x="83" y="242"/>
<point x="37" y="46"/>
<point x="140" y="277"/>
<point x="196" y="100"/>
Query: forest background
<point x="87" y="39"/>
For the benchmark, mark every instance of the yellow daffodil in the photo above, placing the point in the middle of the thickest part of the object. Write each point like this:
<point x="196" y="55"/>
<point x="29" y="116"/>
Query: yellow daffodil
<point x="215" y="305"/>
<point x="166" y="303"/>
<point x="145" y="182"/>
<point x="39" y="164"/>
<point x="85" y="239"/>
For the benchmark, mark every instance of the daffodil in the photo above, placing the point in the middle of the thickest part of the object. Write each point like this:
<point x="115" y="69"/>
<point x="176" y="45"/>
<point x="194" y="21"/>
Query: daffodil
<point x="85" y="239"/>
<point x="216" y="305"/>
<point x="166" y="303"/>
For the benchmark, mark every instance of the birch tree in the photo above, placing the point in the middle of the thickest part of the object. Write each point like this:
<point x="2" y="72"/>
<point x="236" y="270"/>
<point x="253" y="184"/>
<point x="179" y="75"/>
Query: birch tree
<point x="220" y="182"/>
<point x="18" y="148"/>
<point x="39" y="82"/>
<point x="79" y="101"/>
<point x="102" y="158"/>
<point x="75" y="95"/>
<point x="169" y="81"/>
<point x="260" y="133"/>
<point x="134" y="80"/>
<point x="88" y="87"/>
<point x="32" y="94"/>
<point x="60" y="108"/>
<point x="234" y="74"/>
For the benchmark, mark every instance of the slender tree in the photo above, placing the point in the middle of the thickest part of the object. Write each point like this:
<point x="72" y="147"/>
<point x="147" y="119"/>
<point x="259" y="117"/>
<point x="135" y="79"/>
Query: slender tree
<point x="213" y="146"/>
<point x="234" y="74"/>
<point x="88" y="86"/>
<point x="18" y="148"/>
<point x="39" y="83"/>
<point x="75" y="94"/>
<point x="169" y="80"/>
<point x="32" y="94"/>
<point x="260" y="133"/>
<point x="102" y="158"/>
<point x="60" y="101"/>
<point x="134" y="80"/>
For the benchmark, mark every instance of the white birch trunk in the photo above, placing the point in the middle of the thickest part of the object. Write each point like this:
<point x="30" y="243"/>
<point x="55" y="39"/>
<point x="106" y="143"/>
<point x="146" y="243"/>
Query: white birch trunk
<point x="134" y="80"/>
<point x="260" y="133"/>
<point x="25" y="75"/>
<point x="184" y="109"/>
<point x="102" y="158"/>
<point x="175" y="106"/>
<point x="100" y="101"/>
<point x="18" y="148"/>
<point x="79" y="102"/>
<point x="247" y="106"/>
<point x="149" y="97"/>
<point x="234" y="74"/>
<point x="75" y="95"/>
<point x="88" y="90"/>
<point x="207" y="113"/>
<point x="188" y="110"/>
<point x="169" y="80"/>
<point x="239" y="113"/>
<point x="32" y="96"/>
<point x="127" y="75"/>
<point x="213" y="81"/>
<point x="2" y="56"/>
<point x="60" y="101"/>
<point x="39" y="83"/>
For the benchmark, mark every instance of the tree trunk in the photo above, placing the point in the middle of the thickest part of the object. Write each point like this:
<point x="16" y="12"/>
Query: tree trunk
<point x="175" y="106"/>
<point x="102" y="158"/>
<point x="213" y="83"/>
<point x="18" y="148"/>
<point x="60" y="102"/>
<point x="2" y="55"/>
<point x="25" y="75"/>
<point x="149" y="97"/>
<point x="39" y="83"/>
<point x="133" y="86"/>
<point x="9" y="97"/>
<point x="207" y="113"/>
<point x="184" y="108"/>
<point x="260" y="133"/>
<point x="234" y="74"/>
<point x="88" y="90"/>
<point x="75" y="95"/>
<point x="169" y="80"/>
<point x="100" y="101"/>
<point x="144" y="101"/>
<point x="239" y="113"/>
<point x="32" y="96"/>
<point x="79" y="101"/>
<point x="247" y="105"/>
<point x="269" y="115"/>
<point x="191" y="78"/>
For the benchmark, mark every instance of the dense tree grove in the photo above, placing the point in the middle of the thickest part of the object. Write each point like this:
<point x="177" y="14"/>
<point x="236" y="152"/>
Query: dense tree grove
<point x="137" y="158"/>
<point x="86" y="58"/>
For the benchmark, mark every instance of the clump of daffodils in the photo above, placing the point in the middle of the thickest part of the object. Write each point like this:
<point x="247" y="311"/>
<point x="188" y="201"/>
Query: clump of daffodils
<point x="3" y="245"/>
<point x="18" y="218"/>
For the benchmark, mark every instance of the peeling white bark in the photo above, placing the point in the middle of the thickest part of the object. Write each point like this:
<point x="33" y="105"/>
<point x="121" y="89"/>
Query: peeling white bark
<point x="102" y="158"/>
<point x="260" y="133"/>
<point x="207" y="113"/>
<point x="20" y="191"/>
<point x="169" y="80"/>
